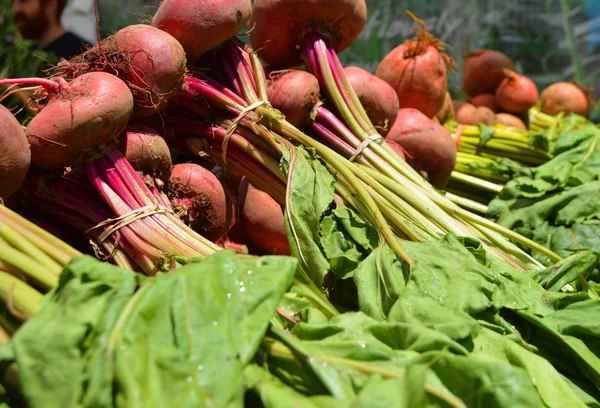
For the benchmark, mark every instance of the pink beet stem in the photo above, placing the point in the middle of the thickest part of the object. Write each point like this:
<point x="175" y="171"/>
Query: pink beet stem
<point x="126" y="184"/>
<point x="43" y="82"/>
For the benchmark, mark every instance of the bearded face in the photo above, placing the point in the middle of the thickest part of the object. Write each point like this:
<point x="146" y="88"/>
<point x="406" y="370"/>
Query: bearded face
<point x="30" y="17"/>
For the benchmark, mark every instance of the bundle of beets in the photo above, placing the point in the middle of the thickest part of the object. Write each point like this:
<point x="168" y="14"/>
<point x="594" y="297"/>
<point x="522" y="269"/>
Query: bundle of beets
<point x="173" y="140"/>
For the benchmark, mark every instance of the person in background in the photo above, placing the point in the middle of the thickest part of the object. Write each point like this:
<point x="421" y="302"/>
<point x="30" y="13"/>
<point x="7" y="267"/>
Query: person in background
<point x="39" y="20"/>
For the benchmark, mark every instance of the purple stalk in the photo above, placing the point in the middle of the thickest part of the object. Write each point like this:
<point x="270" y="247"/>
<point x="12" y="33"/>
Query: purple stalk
<point x="194" y="106"/>
<point x="327" y="118"/>
<point x="333" y="141"/>
<point x="170" y="223"/>
<point x="236" y="68"/>
<point x="149" y="227"/>
<point x="232" y="78"/>
<point x="118" y="208"/>
<point x="74" y="203"/>
<point x="172" y="238"/>
<point x="322" y="60"/>
<point x="214" y="133"/>
<point x="210" y="87"/>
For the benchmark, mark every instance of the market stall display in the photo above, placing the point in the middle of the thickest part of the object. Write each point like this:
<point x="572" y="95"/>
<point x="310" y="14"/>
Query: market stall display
<point x="214" y="223"/>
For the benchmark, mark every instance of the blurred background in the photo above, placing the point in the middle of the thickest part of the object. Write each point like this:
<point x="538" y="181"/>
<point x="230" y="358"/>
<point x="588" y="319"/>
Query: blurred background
<point x="550" y="40"/>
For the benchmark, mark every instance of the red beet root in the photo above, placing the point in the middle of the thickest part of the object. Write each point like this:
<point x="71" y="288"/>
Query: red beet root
<point x="295" y="94"/>
<point x="486" y="116"/>
<point x="429" y="145"/>
<point x="487" y="100"/>
<point x="15" y="155"/>
<point x="80" y="115"/>
<point x="446" y="112"/>
<point x="397" y="148"/>
<point x="377" y="97"/>
<point x="200" y="198"/>
<point x="157" y="66"/>
<point x="151" y="62"/>
<point x="262" y="220"/>
<point x="564" y="97"/>
<point x="147" y="151"/>
<point x="465" y="113"/>
<point x="279" y="26"/>
<point x="510" y="120"/>
<point x="417" y="72"/>
<point x="201" y="26"/>
<point x="516" y="93"/>
<point x="483" y="71"/>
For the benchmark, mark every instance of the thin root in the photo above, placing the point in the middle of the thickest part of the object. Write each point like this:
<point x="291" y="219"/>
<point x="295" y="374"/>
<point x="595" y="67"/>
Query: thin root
<point x="423" y="39"/>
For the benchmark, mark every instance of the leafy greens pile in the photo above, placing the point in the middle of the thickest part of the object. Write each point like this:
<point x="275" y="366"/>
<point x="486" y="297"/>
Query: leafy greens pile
<point x="460" y="328"/>
<point x="558" y="203"/>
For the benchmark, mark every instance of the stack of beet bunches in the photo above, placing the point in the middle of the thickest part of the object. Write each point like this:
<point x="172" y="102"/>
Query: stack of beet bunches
<point x="504" y="117"/>
<point x="189" y="220"/>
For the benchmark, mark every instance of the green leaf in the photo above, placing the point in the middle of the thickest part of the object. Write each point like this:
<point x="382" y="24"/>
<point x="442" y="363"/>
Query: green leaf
<point x="408" y="391"/>
<point x="272" y="392"/>
<point x="311" y="194"/>
<point x="449" y="274"/>
<point x="380" y="280"/>
<point x="486" y="133"/>
<point x="332" y="380"/>
<point x="455" y="324"/>
<point x="553" y="390"/>
<point x="346" y="240"/>
<point x="555" y="277"/>
<point x="484" y="382"/>
<point x="112" y="338"/>
<point x="568" y="338"/>
<point x="590" y="396"/>
<point x="558" y="203"/>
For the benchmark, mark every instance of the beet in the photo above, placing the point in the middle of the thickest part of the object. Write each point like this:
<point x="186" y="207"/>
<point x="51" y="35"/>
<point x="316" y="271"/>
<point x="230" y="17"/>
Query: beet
<point x="295" y="93"/>
<point x="510" y="120"/>
<point x="417" y="72"/>
<point x="200" y="198"/>
<point x="446" y="112"/>
<point x="516" y="93"/>
<point x="79" y="116"/>
<point x="15" y="155"/>
<point x="486" y="116"/>
<point x="483" y="71"/>
<point x="146" y="151"/>
<point x="201" y="26"/>
<point x="487" y="100"/>
<point x="429" y="145"/>
<point x="157" y="66"/>
<point x="564" y="97"/>
<point x="150" y="61"/>
<point x="397" y="148"/>
<point x="377" y="97"/>
<point x="262" y="221"/>
<point x="465" y="113"/>
<point x="279" y="27"/>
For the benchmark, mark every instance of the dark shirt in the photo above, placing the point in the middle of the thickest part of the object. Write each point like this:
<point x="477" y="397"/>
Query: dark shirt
<point x="67" y="46"/>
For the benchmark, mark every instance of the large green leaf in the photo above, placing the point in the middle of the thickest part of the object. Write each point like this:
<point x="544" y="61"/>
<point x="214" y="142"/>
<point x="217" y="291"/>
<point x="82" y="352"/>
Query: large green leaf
<point x="568" y="338"/>
<point x="380" y="280"/>
<point x="346" y="240"/>
<point x="111" y="338"/>
<point x="311" y="194"/>
<point x="552" y="388"/>
<point x="269" y="391"/>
